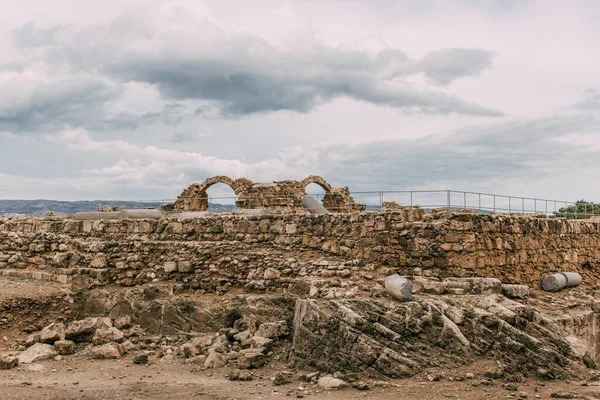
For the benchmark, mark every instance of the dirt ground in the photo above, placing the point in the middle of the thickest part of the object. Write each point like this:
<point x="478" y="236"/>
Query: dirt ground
<point x="73" y="378"/>
<point x="27" y="302"/>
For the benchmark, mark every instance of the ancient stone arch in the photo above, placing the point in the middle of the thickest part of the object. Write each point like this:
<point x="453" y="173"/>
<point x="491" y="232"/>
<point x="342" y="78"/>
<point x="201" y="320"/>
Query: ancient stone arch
<point x="195" y="197"/>
<point x="318" y="180"/>
<point x="283" y="196"/>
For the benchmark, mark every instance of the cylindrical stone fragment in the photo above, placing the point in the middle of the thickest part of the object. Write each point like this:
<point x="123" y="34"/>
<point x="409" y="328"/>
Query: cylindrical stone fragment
<point x="560" y="280"/>
<point x="313" y="206"/>
<point x="399" y="287"/>
<point x="140" y="214"/>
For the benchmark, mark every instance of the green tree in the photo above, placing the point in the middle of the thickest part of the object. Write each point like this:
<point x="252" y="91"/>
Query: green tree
<point x="581" y="209"/>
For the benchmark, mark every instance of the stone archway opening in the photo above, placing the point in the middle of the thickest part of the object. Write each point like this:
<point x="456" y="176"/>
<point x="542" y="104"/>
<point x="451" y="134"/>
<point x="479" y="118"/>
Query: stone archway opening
<point x="315" y="191"/>
<point x="220" y="197"/>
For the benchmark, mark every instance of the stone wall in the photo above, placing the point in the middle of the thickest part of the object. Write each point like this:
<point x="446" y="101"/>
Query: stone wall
<point x="276" y="253"/>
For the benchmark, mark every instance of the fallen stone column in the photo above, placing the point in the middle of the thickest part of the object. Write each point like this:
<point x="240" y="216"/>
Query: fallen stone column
<point x="399" y="287"/>
<point x="140" y="214"/>
<point x="560" y="280"/>
<point x="313" y="206"/>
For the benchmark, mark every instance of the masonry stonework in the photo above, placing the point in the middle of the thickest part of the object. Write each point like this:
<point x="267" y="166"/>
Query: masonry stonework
<point x="284" y="252"/>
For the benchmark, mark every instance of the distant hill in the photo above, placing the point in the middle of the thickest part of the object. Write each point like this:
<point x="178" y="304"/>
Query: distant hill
<point x="40" y="207"/>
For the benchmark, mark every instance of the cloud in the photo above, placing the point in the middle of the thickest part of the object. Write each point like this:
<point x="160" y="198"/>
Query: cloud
<point x="499" y="157"/>
<point x="240" y="73"/>
<point x="590" y="102"/>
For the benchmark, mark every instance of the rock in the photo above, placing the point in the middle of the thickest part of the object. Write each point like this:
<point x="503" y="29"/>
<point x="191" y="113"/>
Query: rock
<point x="282" y="378"/>
<point x="564" y="395"/>
<point x="428" y="286"/>
<point x="258" y="342"/>
<point x="109" y="351"/>
<point x="515" y="291"/>
<point x="107" y="335"/>
<point x="141" y="358"/>
<point x="331" y="383"/>
<point x="251" y="358"/>
<point x="198" y="360"/>
<point x="32" y="339"/>
<point x="189" y="350"/>
<point x="490" y="286"/>
<point x="8" y="362"/>
<point x="360" y="385"/>
<point x="37" y="352"/>
<point x="238" y="375"/>
<point x="52" y="333"/>
<point x="244" y="338"/>
<point x="170" y="266"/>
<point x="272" y="329"/>
<point x="127" y="346"/>
<point x="64" y="347"/>
<point x="123" y="322"/>
<point x="272" y="273"/>
<point x="215" y="360"/>
<point x="435" y="377"/>
<point x="399" y="287"/>
<point x="83" y="331"/>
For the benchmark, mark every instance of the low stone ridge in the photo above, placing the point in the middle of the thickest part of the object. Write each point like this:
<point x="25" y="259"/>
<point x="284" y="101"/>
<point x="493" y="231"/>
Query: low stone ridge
<point x="401" y="339"/>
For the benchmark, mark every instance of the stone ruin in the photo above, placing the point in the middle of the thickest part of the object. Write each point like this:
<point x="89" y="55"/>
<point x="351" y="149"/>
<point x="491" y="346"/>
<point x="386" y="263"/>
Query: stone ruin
<point x="281" y="196"/>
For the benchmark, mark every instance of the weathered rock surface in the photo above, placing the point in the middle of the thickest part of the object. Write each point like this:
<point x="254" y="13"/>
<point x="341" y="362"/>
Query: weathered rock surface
<point x="37" y="352"/>
<point x="52" y="333"/>
<point x="400" y="339"/>
<point x="83" y="331"/>
<point x="8" y="362"/>
<point x="273" y="329"/>
<point x="64" y="347"/>
<point x="107" y="351"/>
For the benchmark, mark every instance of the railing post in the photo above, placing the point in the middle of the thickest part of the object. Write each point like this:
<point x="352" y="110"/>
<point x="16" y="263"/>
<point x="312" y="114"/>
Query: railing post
<point x="465" y="199"/>
<point x="448" y="198"/>
<point x="479" y="201"/>
<point x="523" y="205"/>
<point x="509" y="206"/>
<point x="411" y="198"/>
<point x="494" y="203"/>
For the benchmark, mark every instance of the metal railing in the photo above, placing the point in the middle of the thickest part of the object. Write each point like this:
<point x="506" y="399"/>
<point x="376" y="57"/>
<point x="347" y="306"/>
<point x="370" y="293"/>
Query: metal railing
<point x="373" y="200"/>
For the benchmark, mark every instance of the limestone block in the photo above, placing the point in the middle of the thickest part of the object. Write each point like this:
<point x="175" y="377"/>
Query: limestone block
<point x="515" y="291"/>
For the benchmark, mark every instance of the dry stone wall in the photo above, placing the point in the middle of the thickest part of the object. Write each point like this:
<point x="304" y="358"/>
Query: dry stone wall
<point x="284" y="252"/>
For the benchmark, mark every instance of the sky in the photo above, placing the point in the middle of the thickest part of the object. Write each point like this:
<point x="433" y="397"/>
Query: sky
<point x="137" y="99"/>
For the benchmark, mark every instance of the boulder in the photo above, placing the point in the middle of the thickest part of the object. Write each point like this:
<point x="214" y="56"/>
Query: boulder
<point x="215" y="360"/>
<point x="37" y="352"/>
<point x="83" y="331"/>
<point x="259" y="342"/>
<point x="64" y="347"/>
<point x="273" y="329"/>
<point x="8" y="362"/>
<point x="243" y="337"/>
<point x="251" y="358"/>
<point x="53" y="333"/>
<point x="189" y="350"/>
<point x="331" y="383"/>
<point x="109" y="351"/>
<point x="107" y="335"/>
